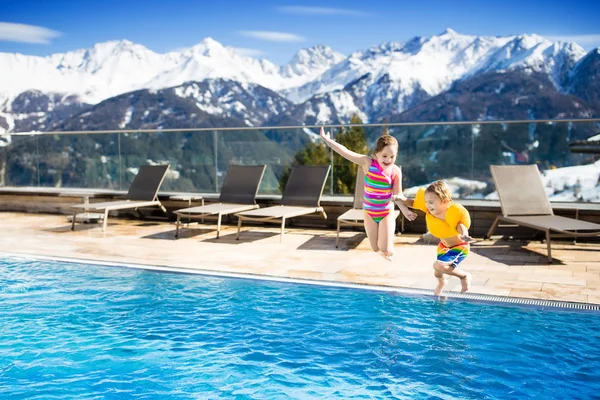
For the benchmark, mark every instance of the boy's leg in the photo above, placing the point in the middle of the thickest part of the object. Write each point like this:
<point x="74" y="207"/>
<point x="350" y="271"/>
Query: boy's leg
<point x="385" y="242"/>
<point x="465" y="277"/>
<point x="449" y="269"/>
<point x="372" y="231"/>
<point x="448" y="260"/>
<point x="441" y="282"/>
<point x="465" y="281"/>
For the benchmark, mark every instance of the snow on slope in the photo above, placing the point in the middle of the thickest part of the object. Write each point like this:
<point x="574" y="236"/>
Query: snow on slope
<point x="112" y="68"/>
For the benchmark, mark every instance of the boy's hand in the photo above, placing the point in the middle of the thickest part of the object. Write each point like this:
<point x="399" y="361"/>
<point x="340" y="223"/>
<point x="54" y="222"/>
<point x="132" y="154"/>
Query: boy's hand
<point x="466" y="238"/>
<point x="325" y="136"/>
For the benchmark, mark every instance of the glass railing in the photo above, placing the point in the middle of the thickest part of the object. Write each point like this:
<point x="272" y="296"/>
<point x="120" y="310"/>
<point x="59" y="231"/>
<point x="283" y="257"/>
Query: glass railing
<point x="460" y="153"/>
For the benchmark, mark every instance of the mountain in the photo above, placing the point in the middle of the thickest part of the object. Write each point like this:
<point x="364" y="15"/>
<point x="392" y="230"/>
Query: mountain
<point x="386" y="80"/>
<point x="309" y="63"/>
<point x="584" y="81"/>
<point x="116" y="67"/>
<point x="206" y="104"/>
<point x="513" y="95"/>
<point x="533" y="53"/>
<point x="105" y="70"/>
<point x="33" y="110"/>
<point x="432" y="64"/>
<point x="425" y="78"/>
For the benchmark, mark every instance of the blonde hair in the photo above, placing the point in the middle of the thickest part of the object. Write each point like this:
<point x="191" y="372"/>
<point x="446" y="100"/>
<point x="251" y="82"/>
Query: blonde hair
<point x="441" y="189"/>
<point x="385" y="140"/>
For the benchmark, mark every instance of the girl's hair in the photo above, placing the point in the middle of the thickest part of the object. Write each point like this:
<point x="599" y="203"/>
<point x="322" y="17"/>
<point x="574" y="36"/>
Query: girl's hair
<point x="385" y="140"/>
<point x="441" y="189"/>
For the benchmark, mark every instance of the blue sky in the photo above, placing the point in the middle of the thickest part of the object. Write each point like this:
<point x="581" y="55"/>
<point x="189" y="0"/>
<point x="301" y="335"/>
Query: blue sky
<point x="275" y="30"/>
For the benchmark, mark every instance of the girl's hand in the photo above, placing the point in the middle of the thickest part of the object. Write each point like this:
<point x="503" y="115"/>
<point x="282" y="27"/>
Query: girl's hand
<point x="326" y="136"/>
<point x="409" y="215"/>
<point x="398" y="197"/>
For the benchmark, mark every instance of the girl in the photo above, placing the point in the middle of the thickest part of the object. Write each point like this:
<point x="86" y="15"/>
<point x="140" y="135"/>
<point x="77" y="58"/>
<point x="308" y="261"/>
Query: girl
<point x="383" y="179"/>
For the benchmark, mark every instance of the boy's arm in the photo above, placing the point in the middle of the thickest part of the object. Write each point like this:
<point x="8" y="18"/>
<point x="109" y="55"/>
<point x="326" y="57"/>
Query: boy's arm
<point x="464" y="232"/>
<point x="356" y="158"/>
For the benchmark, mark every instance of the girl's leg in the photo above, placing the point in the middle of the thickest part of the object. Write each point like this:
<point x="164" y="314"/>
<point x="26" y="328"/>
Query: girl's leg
<point x="385" y="242"/>
<point x="371" y="229"/>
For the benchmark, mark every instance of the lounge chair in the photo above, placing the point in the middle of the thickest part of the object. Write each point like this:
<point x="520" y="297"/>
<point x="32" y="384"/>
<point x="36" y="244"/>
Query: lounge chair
<point x="143" y="192"/>
<point x="237" y="194"/>
<point x="355" y="216"/>
<point x="524" y="202"/>
<point x="301" y="196"/>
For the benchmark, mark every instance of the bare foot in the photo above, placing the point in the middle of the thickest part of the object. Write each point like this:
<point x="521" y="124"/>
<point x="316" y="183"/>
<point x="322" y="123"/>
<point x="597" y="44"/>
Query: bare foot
<point x="440" y="287"/>
<point x="465" y="283"/>
<point x="387" y="255"/>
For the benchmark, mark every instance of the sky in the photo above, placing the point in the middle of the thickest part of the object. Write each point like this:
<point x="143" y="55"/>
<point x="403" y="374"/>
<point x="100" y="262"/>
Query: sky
<point x="276" y="30"/>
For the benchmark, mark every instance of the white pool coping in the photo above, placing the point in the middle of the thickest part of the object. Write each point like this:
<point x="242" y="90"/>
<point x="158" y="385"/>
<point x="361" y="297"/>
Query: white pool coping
<point x="377" y="288"/>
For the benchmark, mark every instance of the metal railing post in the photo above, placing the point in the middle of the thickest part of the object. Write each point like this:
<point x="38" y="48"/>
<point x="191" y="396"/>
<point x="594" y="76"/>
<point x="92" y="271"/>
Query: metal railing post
<point x="216" y="162"/>
<point x="331" y="157"/>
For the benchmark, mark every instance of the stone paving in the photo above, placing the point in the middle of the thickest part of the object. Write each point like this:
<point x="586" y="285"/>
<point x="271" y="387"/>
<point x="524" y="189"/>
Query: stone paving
<point x="499" y="267"/>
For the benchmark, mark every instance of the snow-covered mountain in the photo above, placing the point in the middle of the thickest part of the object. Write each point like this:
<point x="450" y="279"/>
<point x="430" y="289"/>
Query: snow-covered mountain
<point x="378" y="84"/>
<point x="116" y="67"/>
<point x="33" y="110"/>
<point x="425" y="67"/>
<point x="585" y="76"/>
<point x="209" y="103"/>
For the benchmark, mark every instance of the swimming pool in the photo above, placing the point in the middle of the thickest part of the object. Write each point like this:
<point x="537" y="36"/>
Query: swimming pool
<point x="79" y="331"/>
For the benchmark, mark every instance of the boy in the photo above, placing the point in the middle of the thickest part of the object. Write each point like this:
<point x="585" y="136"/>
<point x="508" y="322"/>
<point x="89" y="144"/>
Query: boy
<point x="449" y="222"/>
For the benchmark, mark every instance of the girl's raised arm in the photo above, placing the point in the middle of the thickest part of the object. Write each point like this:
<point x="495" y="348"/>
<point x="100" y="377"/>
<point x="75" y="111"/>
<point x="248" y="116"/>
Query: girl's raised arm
<point x="356" y="158"/>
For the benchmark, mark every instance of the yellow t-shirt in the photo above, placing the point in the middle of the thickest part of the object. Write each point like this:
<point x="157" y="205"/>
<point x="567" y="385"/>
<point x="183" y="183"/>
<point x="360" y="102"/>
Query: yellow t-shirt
<point x="443" y="228"/>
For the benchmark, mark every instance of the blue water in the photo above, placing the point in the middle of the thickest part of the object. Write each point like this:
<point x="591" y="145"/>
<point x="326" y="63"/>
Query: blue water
<point x="76" y="331"/>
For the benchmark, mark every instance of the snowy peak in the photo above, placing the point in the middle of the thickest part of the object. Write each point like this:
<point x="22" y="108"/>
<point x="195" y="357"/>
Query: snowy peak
<point x="312" y="61"/>
<point x="210" y="48"/>
<point x="421" y="67"/>
<point x="535" y="54"/>
<point x="424" y="67"/>
<point x="450" y="40"/>
<point x="115" y="47"/>
<point x="209" y="59"/>
<point x="114" y="56"/>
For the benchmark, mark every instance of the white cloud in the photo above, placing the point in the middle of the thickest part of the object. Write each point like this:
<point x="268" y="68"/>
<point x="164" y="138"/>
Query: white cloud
<point x="321" y="11"/>
<point x="11" y="32"/>
<point x="586" y="41"/>
<point x="273" y="36"/>
<point x="243" y="51"/>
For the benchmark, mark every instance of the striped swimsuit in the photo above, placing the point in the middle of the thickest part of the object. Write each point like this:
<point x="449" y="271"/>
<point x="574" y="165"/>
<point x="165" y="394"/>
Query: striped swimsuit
<point x="377" y="200"/>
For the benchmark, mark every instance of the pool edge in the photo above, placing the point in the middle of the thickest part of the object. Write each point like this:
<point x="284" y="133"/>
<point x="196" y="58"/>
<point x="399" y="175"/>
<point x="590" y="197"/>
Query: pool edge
<point x="477" y="297"/>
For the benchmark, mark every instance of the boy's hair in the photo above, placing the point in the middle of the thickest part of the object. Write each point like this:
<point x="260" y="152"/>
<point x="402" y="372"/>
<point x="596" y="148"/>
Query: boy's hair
<point x="385" y="140"/>
<point x="441" y="189"/>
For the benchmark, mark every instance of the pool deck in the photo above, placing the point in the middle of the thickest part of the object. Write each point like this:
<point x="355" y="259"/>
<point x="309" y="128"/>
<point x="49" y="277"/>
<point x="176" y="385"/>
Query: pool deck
<point x="499" y="267"/>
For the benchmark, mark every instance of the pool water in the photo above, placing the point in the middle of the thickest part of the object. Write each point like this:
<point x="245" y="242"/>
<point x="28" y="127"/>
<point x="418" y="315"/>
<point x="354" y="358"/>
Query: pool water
<point x="76" y="331"/>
